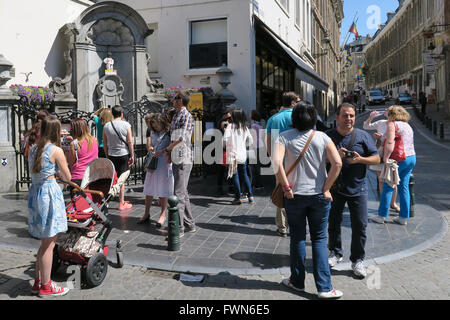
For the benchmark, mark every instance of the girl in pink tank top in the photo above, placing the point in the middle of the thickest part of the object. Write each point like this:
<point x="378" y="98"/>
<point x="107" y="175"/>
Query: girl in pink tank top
<point x="85" y="150"/>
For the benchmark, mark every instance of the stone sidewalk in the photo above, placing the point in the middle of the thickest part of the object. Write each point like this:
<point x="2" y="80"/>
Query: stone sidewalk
<point x="244" y="258"/>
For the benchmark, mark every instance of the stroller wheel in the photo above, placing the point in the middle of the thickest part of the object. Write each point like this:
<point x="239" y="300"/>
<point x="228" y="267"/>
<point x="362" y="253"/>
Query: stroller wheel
<point x="96" y="270"/>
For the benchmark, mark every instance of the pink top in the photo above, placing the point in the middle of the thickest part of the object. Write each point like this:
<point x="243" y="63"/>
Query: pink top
<point x="408" y="137"/>
<point x="85" y="156"/>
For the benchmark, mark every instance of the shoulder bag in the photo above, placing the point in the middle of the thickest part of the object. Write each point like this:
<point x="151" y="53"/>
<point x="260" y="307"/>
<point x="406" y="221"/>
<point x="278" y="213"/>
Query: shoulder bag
<point x="398" y="154"/>
<point x="278" y="194"/>
<point x="150" y="161"/>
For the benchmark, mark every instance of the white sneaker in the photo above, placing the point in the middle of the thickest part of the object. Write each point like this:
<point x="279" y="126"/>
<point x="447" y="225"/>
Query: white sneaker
<point x="400" y="220"/>
<point x="333" y="294"/>
<point x="378" y="219"/>
<point x="334" y="259"/>
<point x="359" y="269"/>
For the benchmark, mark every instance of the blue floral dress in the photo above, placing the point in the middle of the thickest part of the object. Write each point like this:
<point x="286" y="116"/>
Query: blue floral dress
<point x="47" y="213"/>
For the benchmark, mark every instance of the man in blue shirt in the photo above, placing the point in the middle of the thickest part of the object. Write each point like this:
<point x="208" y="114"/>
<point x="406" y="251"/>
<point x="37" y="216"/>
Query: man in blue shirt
<point x="276" y="124"/>
<point x="357" y="149"/>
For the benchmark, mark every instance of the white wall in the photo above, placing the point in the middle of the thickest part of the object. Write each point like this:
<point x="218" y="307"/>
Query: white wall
<point x="28" y="36"/>
<point x="172" y="18"/>
<point x="172" y="46"/>
<point x="283" y="23"/>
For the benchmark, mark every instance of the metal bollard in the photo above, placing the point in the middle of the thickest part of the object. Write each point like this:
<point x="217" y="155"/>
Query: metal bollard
<point x="412" y="196"/>
<point x="173" y="243"/>
<point x="435" y="127"/>
<point x="334" y="124"/>
<point x="441" y="130"/>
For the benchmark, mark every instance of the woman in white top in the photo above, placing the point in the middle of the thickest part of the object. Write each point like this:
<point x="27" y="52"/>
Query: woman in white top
<point x="236" y="138"/>
<point x="380" y="127"/>
<point x="398" y="123"/>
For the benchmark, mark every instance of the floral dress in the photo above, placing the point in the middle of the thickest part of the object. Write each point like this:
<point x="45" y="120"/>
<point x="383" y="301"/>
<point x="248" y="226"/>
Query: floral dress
<point x="47" y="213"/>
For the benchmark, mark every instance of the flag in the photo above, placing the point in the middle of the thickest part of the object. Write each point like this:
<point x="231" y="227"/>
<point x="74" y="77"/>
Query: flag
<point x="354" y="30"/>
<point x="349" y="59"/>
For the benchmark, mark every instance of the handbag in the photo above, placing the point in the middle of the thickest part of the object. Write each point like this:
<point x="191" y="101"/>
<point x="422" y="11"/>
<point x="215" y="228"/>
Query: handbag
<point x="150" y="161"/>
<point x="224" y="158"/>
<point x="398" y="154"/>
<point x="278" y="194"/>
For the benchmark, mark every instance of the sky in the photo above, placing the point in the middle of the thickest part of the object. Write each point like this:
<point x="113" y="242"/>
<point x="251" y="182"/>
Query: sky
<point x="370" y="13"/>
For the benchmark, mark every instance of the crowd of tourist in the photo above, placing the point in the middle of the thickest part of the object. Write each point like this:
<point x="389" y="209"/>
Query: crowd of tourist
<point x="329" y="168"/>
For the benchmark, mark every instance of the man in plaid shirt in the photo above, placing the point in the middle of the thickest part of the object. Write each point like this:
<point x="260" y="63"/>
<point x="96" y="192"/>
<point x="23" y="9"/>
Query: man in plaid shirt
<point x="181" y="129"/>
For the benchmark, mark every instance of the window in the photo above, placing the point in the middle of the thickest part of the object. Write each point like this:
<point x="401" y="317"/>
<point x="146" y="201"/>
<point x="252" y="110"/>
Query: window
<point x="284" y="4"/>
<point x="304" y="22"/>
<point x="308" y="24"/>
<point x="208" y="44"/>
<point x="297" y="13"/>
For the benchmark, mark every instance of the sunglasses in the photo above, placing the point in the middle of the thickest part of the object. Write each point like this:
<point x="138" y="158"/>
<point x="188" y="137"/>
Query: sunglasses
<point x="176" y="98"/>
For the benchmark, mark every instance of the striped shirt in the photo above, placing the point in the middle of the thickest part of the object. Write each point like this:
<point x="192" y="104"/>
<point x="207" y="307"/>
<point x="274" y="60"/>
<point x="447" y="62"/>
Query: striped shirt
<point x="181" y="128"/>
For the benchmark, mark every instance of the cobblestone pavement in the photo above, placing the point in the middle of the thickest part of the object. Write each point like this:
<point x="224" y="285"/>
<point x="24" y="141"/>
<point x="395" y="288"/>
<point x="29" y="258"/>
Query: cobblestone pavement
<point x="422" y="275"/>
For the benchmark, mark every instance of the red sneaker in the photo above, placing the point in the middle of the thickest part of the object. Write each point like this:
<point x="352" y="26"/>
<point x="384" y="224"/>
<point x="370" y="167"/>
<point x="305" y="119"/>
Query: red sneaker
<point x="36" y="286"/>
<point x="52" y="290"/>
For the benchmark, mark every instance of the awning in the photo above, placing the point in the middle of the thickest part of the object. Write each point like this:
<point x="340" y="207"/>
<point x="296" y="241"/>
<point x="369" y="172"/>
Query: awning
<point x="303" y="72"/>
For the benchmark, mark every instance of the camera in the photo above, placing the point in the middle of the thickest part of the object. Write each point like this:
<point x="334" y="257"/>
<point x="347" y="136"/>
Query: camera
<point x="349" y="154"/>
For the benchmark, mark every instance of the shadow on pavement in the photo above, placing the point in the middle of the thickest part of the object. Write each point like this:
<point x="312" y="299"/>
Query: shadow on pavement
<point x="235" y="229"/>
<point x="229" y="281"/>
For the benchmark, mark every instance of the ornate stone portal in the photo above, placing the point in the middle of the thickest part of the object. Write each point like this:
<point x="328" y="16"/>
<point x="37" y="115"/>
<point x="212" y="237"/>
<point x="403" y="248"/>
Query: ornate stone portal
<point x="107" y="35"/>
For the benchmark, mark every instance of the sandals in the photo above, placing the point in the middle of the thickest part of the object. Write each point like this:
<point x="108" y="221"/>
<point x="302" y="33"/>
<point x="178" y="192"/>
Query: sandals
<point x="145" y="220"/>
<point x="125" y="205"/>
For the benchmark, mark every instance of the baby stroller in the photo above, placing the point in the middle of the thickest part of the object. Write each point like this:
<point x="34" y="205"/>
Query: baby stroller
<point x="84" y="243"/>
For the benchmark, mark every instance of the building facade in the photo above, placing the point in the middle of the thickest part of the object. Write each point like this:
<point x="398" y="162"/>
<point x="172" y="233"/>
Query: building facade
<point x="353" y="58"/>
<point x="271" y="46"/>
<point x="30" y="41"/>
<point x="328" y="15"/>
<point x="267" y="44"/>
<point x="401" y="56"/>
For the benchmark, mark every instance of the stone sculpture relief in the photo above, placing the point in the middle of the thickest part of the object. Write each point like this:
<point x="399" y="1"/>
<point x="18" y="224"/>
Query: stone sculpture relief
<point x="155" y="85"/>
<point x="63" y="85"/>
<point x="110" y="32"/>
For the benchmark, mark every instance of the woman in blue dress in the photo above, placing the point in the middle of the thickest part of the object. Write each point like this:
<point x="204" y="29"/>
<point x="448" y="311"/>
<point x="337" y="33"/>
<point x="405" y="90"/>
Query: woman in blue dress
<point x="47" y="214"/>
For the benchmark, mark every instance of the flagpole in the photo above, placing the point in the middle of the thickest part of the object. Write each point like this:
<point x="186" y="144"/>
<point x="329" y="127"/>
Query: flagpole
<point x="348" y="32"/>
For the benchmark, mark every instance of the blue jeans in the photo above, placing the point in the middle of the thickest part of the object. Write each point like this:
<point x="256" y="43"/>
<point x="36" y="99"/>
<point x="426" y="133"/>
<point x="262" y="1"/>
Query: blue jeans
<point x="315" y="208"/>
<point x="241" y="174"/>
<point x="405" y="169"/>
<point x="357" y="206"/>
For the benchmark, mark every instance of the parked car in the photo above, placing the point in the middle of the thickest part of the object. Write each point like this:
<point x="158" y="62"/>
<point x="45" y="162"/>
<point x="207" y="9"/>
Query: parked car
<point x="375" y="97"/>
<point x="404" y="98"/>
